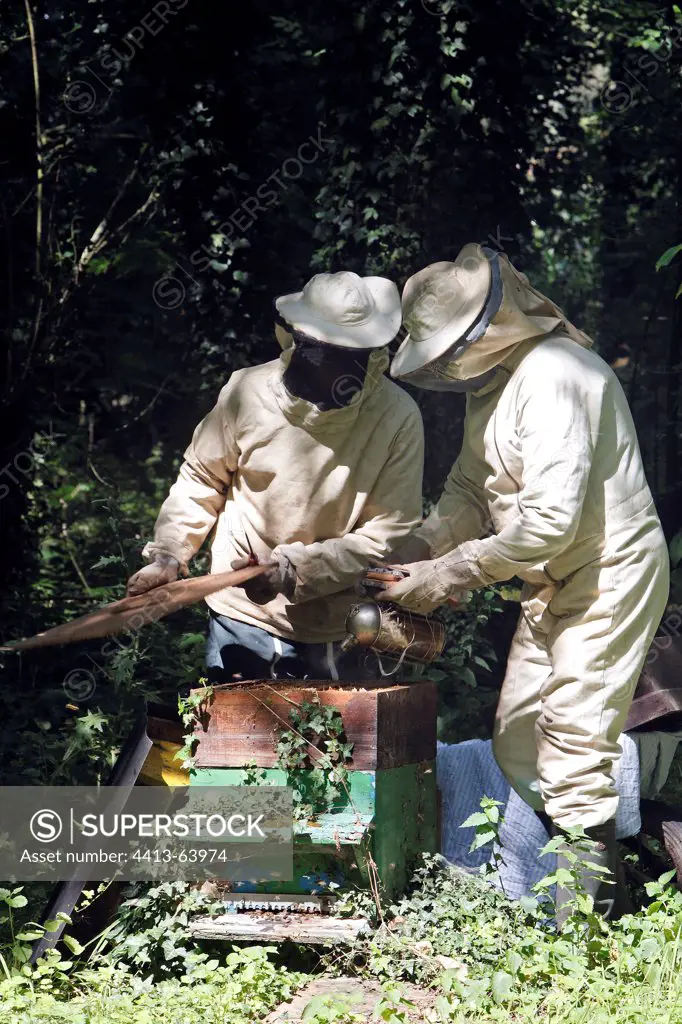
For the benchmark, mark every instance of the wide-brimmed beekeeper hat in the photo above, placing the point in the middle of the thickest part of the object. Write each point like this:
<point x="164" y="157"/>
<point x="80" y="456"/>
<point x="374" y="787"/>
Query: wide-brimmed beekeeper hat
<point x="344" y="309"/>
<point x="470" y="314"/>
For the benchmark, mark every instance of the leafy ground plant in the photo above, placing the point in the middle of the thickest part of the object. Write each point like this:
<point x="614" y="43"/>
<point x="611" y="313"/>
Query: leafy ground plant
<point x="494" y="960"/>
<point x="239" y="987"/>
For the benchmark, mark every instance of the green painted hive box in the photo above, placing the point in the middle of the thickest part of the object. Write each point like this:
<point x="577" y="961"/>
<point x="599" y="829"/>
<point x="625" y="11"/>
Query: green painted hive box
<point x="363" y="825"/>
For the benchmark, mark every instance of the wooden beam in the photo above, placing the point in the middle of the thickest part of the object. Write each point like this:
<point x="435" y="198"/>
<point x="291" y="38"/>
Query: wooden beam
<point x="65" y="895"/>
<point x="277" y="926"/>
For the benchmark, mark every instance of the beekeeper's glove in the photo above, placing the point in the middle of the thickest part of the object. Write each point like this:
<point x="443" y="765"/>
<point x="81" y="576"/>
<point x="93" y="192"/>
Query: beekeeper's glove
<point x="430" y="584"/>
<point x="164" y="569"/>
<point x="279" y="579"/>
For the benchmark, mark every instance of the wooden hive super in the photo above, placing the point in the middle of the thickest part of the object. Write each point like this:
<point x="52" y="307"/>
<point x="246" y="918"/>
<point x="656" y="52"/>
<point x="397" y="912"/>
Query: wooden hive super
<point x="372" y="832"/>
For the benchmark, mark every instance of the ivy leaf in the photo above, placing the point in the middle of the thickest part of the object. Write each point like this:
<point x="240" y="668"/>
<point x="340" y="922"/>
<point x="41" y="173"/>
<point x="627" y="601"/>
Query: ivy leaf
<point x="90" y="723"/>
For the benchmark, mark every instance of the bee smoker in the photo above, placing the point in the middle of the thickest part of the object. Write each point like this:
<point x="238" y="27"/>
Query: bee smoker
<point x="388" y="629"/>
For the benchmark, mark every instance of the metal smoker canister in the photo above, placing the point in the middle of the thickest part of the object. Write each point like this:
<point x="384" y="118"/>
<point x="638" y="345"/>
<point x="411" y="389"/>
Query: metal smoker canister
<point x="393" y="630"/>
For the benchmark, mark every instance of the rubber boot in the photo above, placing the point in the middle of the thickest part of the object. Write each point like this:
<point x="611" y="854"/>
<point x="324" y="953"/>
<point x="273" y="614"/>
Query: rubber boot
<point x="609" y="893"/>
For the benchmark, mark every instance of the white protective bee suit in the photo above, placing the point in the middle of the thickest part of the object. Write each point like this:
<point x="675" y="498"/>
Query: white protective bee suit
<point x="330" y="489"/>
<point x="550" y="468"/>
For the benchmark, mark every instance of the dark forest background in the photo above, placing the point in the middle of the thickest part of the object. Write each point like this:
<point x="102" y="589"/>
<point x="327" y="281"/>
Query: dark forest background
<point x="168" y="172"/>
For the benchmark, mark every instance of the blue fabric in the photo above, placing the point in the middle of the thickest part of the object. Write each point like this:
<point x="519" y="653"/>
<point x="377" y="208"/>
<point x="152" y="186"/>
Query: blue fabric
<point x="467" y="772"/>
<point x="236" y="650"/>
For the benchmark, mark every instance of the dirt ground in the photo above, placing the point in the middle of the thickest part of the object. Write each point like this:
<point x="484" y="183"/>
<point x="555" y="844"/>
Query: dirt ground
<point x="370" y="991"/>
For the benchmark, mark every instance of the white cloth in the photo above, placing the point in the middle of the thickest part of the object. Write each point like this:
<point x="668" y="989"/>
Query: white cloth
<point x="467" y="772"/>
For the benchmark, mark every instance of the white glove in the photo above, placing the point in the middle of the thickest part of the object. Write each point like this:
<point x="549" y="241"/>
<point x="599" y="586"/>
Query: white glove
<point x="164" y="569"/>
<point x="430" y="584"/>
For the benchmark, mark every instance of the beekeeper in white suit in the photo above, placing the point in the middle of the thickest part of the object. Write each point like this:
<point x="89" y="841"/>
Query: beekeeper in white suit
<point x="313" y="461"/>
<point x="549" y="486"/>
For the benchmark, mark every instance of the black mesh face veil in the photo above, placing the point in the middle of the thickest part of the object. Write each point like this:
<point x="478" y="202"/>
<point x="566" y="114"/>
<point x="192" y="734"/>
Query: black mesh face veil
<point x="329" y="376"/>
<point x="439" y="375"/>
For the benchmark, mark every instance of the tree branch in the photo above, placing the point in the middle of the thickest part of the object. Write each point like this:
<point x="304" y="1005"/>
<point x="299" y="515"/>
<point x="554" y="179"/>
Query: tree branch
<point x="39" y="138"/>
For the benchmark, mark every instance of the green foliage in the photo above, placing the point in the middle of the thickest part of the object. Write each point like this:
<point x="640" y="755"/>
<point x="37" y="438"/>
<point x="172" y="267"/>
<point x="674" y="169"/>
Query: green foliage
<point x="143" y="967"/>
<point x="239" y="987"/>
<point x="486" y="823"/>
<point x="668" y="256"/>
<point x="576" y="849"/>
<point x="192" y="709"/>
<point x="394" y="1007"/>
<point x="150" y="934"/>
<point x="496" y="960"/>
<point x="467" y="687"/>
<point x="253" y="775"/>
<point x="313" y="753"/>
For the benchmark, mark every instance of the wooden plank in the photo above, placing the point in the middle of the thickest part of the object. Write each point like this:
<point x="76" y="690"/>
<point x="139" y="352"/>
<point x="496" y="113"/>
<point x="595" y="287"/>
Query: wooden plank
<point x="361" y="996"/>
<point x="388" y="726"/>
<point x="280" y="901"/>
<point x="66" y="895"/>
<point x="672" y="840"/>
<point x="664" y="822"/>
<point x="324" y="849"/>
<point x="315" y="929"/>
<point x="406" y="822"/>
<point x="345" y="823"/>
<point x="394" y="809"/>
<point x="406" y="724"/>
<point x="658" y="693"/>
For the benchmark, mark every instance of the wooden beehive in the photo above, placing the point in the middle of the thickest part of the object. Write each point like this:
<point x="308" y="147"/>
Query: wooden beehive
<point x="386" y="816"/>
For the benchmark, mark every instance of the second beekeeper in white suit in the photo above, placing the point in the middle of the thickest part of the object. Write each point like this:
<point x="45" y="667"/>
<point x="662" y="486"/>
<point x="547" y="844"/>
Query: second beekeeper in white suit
<point x="549" y="486"/>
